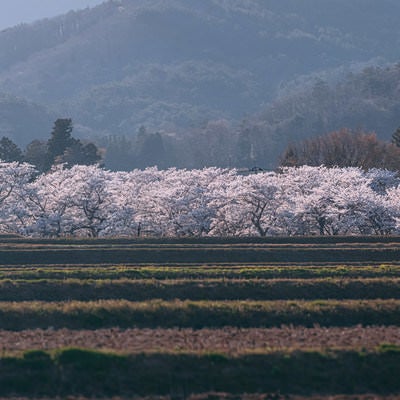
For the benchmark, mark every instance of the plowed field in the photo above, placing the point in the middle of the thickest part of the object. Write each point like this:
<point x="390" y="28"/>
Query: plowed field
<point x="227" y="340"/>
<point x="293" y="318"/>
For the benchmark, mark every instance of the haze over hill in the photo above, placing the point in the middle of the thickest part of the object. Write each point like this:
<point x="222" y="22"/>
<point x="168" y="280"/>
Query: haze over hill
<point x="174" y="65"/>
<point x="15" y="12"/>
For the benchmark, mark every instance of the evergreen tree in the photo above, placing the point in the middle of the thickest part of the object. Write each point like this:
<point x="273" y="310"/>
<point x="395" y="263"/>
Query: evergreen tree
<point x="63" y="148"/>
<point x="150" y="150"/>
<point x="91" y="154"/>
<point x="60" y="140"/>
<point x="36" y="154"/>
<point x="82" y="154"/>
<point x="119" y="153"/>
<point x="396" y="137"/>
<point x="9" y="151"/>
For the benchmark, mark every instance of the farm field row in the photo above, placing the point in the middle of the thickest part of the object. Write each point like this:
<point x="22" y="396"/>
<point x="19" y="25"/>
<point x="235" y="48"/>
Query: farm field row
<point x="204" y="251"/>
<point x="196" y="272"/>
<point x="204" y="255"/>
<point x="227" y="340"/>
<point x="197" y="314"/>
<point x="211" y="289"/>
<point x="95" y="373"/>
<point x="173" y="319"/>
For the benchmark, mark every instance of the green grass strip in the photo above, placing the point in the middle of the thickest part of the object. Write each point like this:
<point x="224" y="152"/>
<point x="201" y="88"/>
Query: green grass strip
<point x="95" y="374"/>
<point x="210" y="289"/>
<point x="200" y="272"/>
<point x="152" y="314"/>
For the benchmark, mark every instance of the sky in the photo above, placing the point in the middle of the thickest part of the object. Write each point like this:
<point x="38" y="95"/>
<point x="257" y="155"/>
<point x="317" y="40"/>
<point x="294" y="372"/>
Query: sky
<point x="14" y="12"/>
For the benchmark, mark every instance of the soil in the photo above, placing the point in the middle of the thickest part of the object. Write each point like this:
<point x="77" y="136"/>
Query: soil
<point x="228" y="340"/>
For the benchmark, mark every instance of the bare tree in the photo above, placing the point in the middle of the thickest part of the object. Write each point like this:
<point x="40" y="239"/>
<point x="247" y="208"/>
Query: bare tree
<point x="343" y="148"/>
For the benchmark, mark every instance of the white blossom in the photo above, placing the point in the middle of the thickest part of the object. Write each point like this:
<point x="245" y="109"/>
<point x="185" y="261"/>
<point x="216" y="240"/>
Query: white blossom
<point x="90" y="201"/>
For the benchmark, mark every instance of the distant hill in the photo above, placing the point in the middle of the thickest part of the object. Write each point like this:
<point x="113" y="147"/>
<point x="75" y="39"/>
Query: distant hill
<point x="21" y="120"/>
<point x="366" y="101"/>
<point x="174" y="64"/>
<point x="23" y="11"/>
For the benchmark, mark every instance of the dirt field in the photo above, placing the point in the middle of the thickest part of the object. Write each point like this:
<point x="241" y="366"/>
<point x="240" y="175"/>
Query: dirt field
<point x="228" y="340"/>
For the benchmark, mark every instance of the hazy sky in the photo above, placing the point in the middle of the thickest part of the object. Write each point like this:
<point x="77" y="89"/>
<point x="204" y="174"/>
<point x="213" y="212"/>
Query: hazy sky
<point x="13" y="12"/>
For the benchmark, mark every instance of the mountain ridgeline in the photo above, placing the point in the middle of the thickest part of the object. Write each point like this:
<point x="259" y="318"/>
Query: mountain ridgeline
<point x="213" y="82"/>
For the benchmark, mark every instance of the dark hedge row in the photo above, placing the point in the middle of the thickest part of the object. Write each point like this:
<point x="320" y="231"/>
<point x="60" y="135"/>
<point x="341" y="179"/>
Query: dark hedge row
<point x="214" y="289"/>
<point x="95" y="374"/>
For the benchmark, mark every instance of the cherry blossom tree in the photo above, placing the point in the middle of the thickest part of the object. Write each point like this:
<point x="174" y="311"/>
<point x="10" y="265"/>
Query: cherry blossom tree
<point x="250" y="206"/>
<point x="13" y="178"/>
<point x="181" y="202"/>
<point x="47" y="201"/>
<point x="90" y="201"/>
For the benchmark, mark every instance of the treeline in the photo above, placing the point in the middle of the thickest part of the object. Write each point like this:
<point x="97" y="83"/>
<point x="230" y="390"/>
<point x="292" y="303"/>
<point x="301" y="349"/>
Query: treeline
<point x="90" y="201"/>
<point x="343" y="148"/>
<point x="60" y="148"/>
<point x="218" y="144"/>
<point x="363" y="103"/>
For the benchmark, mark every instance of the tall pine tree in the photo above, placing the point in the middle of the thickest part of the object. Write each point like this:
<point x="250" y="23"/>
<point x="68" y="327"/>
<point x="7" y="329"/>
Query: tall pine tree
<point x="60" y="139"/>
<point x="9" y="151"/>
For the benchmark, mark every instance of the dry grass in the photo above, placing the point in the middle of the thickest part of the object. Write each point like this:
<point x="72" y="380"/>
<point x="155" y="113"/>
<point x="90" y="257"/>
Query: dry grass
<point x="118" y="272"/>
<point x="196" y="314"/>
<point x="229" y="340"/>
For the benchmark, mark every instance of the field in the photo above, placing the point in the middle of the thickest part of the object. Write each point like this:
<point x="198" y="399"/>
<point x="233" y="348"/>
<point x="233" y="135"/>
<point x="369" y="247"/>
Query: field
<point x="281" y="318"/>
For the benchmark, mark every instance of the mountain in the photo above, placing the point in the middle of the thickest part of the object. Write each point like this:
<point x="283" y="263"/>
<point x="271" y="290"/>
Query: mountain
<point x="366" y="101"/>
<point x="174" y="65"/>
<point x="22" y="121"/>
<point x="22" y="11"/>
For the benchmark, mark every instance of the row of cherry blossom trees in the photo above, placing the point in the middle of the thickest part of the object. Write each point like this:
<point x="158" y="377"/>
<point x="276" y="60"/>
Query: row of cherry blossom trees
<point x="90" y="201"/>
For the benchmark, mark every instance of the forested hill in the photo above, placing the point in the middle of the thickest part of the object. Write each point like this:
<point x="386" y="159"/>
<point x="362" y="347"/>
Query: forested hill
<point x="367" y="101"/>
<point x="23" y="120"/>
<point x="171" y="64"/>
